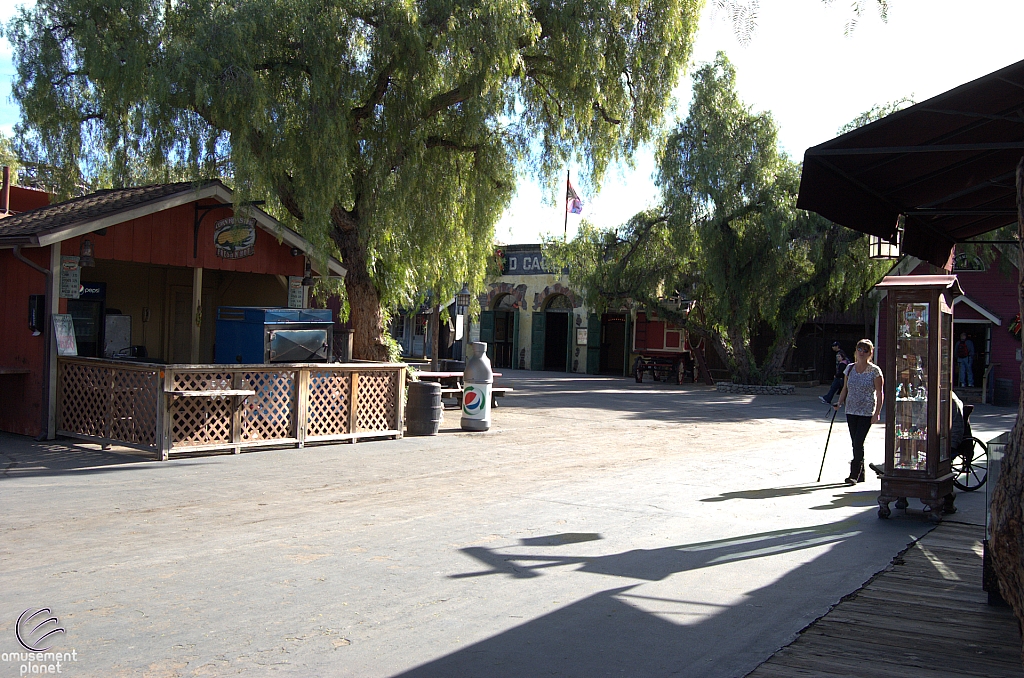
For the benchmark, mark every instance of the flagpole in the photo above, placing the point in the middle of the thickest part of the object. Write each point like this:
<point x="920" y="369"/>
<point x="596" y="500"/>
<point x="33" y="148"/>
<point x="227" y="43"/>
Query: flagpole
<point x="565" y="234"/>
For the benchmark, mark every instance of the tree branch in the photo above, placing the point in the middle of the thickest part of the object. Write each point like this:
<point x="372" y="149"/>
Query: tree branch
<point x="604" y="114"/>
<point x="442" y="101"/>
<point x="438" y="142"/>
<point x="360" y="113"/>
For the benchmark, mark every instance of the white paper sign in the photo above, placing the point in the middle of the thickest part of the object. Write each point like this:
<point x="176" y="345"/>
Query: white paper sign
<point x="296" y="293"/>
<point x="64" y="327"/>
<point x="70" y="278"/>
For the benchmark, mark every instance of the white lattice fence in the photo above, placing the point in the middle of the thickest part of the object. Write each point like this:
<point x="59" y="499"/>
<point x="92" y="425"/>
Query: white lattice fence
<point x="328" y="403"/>
<point x="83" y="398"/>
<point x="197" y="407"/>
<point x="133" y="406"/>
<point x="114" y="403"/>
<point x="268" y="415"/>
<point x="377" y="401"/>
<point x="204" y="420"/>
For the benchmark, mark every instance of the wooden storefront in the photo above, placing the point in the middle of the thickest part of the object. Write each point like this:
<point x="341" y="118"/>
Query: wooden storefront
<point x="158" y="260"/>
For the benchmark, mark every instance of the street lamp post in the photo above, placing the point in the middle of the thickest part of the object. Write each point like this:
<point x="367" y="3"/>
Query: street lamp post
<point x="462" y="308"/>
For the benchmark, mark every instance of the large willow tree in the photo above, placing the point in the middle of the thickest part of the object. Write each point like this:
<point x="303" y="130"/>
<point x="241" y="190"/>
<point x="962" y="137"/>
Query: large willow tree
<point x="389" y="133"/>
<point x="728" y="234"/>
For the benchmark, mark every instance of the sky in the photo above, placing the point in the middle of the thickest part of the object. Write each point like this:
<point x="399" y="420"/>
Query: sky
<point x="798" y="65"/>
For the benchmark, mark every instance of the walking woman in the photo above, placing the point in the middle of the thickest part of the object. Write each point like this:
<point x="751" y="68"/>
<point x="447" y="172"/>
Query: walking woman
<point x="862" y="396"/>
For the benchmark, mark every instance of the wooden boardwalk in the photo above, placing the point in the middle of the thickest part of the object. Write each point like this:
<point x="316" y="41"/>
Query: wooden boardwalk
<point x="925" y="616"/>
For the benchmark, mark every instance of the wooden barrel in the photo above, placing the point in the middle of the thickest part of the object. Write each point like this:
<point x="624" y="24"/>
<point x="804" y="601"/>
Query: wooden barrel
<point x="423" y="409"/>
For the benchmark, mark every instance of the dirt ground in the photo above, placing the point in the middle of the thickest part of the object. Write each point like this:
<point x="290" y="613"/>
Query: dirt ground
<point x="601" y="527"/>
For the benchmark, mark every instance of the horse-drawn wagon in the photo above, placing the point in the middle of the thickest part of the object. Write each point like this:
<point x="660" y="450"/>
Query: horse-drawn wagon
<point x="663" y="350"/>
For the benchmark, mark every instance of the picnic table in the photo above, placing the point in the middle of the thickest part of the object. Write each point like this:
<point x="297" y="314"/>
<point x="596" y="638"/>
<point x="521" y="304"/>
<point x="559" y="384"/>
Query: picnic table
<point x="452" y="385"/>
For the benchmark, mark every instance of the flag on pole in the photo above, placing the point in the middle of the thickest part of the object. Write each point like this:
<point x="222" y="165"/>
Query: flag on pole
<point x="573" y="201"/>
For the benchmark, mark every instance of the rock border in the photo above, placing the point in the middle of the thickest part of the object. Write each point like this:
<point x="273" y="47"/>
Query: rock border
<point x="751" y="389"/>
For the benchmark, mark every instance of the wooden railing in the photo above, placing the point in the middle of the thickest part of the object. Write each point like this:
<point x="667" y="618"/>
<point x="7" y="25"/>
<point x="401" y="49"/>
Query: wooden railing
<point x="176" y="408"/>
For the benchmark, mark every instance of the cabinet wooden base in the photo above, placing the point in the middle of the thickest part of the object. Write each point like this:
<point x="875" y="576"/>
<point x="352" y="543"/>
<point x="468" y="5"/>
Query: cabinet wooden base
<point x="937" y="495"/>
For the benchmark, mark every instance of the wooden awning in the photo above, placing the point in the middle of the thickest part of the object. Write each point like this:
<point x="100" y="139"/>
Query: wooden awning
<point x="947" y="165"/>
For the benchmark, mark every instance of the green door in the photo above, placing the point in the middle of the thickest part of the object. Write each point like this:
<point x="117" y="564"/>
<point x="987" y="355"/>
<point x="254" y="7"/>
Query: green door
<point x="537" y="341"/>
<point x="570" y="343"/>
<point x="515" y="339"/>
<point x="626" y="366"/>
<point x="593" y="344"/>
<point x="487" y="331"/>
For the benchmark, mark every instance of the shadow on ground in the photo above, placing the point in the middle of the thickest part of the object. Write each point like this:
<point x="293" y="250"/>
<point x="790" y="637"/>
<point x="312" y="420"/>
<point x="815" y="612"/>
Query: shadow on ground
<point x="620" y="631"/>
<point x="684" y="403"/>
<point x="22" y="457"/>
<point x="776" y="492"/>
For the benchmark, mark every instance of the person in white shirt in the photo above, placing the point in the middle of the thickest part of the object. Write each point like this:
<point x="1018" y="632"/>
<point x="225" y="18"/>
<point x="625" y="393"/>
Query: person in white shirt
<point x="862" y="397"/>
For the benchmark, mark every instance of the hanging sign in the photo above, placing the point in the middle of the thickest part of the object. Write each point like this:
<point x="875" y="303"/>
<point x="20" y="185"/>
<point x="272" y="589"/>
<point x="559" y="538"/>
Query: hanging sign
<point x="296" y="293"/>
<point x="70" y="277"/>
<point x="235" y="238"/>
<point x="64" y="328"/>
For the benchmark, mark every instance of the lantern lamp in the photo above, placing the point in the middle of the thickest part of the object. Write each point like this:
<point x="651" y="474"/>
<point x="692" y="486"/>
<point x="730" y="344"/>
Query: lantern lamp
<point x="85" y="254"/>
<point x="879" y="248"/>
<point x="462" y="299"/>
<point x="307" y="279"/>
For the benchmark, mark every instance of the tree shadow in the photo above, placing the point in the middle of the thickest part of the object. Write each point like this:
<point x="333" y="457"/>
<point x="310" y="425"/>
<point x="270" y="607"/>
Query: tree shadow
<point x="863" y="498"/>
<point x="776" y="492"/>
<point x="559" y="539"/>
<point x="655" y="401"/>
<point x="621" y="631"/>
<point x="657" y="564"/>
<point x="22" y="457"/>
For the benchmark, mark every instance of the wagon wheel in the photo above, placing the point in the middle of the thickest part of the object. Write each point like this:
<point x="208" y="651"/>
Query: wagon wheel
<point x="638" y="371"/>
<point x="970" y="465"/>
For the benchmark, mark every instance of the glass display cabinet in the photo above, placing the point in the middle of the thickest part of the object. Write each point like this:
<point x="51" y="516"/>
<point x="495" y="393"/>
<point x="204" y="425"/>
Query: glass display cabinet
<point x="918" y="373"/>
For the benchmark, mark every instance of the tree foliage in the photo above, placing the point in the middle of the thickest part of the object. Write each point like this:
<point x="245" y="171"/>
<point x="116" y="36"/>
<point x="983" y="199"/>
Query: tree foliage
<point x="729" y="235"/>
<point x="388" y="133"/>
<point x="744" y="14"/>
<point x="8" y="154"/>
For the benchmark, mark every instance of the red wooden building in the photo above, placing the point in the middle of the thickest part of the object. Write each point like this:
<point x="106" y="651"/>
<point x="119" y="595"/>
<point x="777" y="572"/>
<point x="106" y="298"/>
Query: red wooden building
<point x="163" y="258"/>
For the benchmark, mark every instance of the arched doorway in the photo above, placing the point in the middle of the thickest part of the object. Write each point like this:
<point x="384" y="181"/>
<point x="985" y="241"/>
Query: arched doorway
<point x="499" y="327"/>
<point x="550" y="337"/>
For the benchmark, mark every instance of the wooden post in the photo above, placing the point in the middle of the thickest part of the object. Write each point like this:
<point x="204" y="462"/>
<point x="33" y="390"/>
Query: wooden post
<point x="166" y="432"/>
<point x="435" y="331"/>
<point x="53" y="298"/>
<point x="237" y="403"/>
<point x="301" y="406"/>
<point x="400" y="401"/>
<point x="353" y="402"/>
<point x="109" y="410"/>
<point x="197" y="311"/>
<point x="161" y="415"/>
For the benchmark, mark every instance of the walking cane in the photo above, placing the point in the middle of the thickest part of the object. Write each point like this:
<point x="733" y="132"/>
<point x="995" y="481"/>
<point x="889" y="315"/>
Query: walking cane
<point x="834" y="413"/>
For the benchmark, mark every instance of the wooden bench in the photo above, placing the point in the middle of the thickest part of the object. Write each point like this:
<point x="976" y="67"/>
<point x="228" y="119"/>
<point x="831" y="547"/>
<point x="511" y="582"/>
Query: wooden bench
<point x="456" y="393"/>
<point x="499" y="392"/>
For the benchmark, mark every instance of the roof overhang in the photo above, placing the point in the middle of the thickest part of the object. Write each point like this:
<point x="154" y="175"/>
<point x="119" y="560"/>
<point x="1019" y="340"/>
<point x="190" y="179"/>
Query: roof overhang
<point x="940" y="282"/>
<point x="982" y="311"/>
<point x="946" y="165"/>
<point x="211" y="190"/>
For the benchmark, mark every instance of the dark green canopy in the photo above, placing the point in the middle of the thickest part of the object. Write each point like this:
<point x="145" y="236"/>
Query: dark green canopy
<point x="946" y="164"/>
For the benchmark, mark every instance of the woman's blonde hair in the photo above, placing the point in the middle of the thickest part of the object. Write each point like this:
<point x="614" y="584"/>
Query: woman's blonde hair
<point x="866" y="343"/>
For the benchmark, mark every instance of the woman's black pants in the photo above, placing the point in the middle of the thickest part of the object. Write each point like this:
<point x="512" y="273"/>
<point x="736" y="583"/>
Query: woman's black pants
<point x="859" y="427"/>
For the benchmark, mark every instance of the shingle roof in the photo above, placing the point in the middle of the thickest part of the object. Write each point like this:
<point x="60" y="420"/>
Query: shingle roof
<point x="87" y="208"/>
<point x="53" y="223"/>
